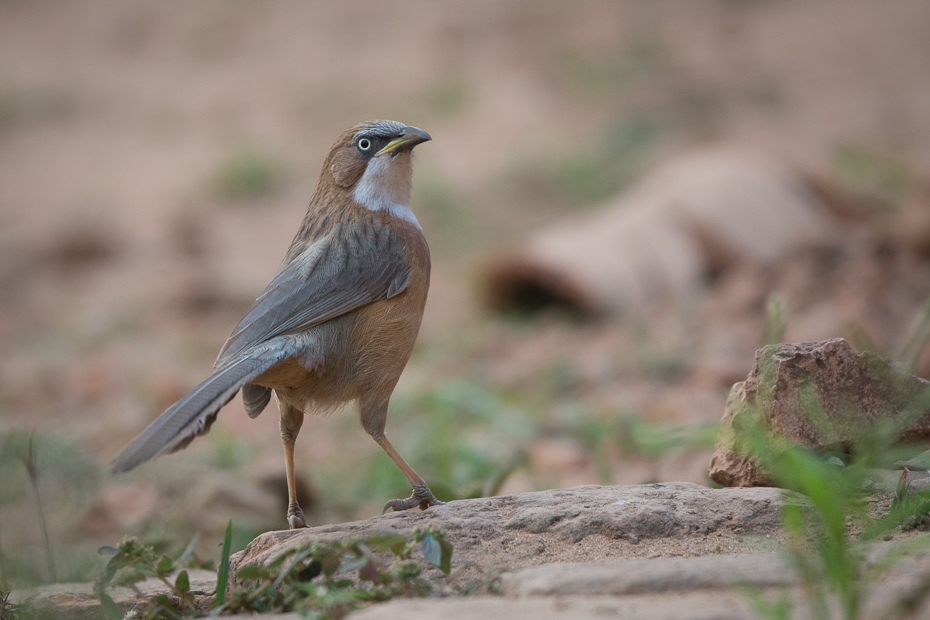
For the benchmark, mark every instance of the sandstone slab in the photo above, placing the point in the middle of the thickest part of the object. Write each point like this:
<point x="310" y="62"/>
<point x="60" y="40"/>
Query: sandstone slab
<point x="690" y="606"/>
<point x="628" y="577"/>
<point x="696" y="588"/>
<point x="586" y="523"/>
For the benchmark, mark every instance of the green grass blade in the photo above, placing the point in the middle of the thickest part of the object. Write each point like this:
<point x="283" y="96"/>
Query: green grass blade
<point x="222" y="574"/>
<point x="109" y="607"/>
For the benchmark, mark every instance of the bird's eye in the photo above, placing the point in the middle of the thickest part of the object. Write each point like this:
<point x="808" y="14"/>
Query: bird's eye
<point x="364" y="144"/>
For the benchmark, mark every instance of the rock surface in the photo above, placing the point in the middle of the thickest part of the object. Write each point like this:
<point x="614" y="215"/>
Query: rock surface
<point x="692" y="588"/>
<point x="673" y="551"/>
<point x="584" y="523"/>
<point x="696" y="588"/>
<point x="76" y="601"/>
<point x="689" y="606"/>
<point x="822" y="395"/>
<point x="648" y="576"/>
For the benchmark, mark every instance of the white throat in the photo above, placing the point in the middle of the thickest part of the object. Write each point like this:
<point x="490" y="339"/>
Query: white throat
<point x="386" y="186"/>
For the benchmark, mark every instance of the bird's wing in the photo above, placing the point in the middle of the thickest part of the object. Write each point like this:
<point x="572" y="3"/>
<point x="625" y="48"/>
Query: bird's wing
<point x="332" y="276"/>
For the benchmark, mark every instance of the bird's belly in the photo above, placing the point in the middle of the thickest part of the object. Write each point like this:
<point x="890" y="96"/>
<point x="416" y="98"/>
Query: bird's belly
<point x="384" y="337"/>
<point x="358" y="353"/>
<point x="318" y="378"/>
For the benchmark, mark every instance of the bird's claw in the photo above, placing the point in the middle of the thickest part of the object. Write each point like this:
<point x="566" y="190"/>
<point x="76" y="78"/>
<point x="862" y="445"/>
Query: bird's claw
<point x="421" y="497"/>
<point x="295" y="518"/>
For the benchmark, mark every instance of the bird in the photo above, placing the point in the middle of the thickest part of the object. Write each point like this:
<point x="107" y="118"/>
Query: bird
<point x="339" y="320"/>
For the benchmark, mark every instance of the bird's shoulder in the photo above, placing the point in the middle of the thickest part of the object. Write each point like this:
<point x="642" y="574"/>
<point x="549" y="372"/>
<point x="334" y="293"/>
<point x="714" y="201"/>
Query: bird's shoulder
<point x="357" y="232"/>
<point x="349" y="263"/>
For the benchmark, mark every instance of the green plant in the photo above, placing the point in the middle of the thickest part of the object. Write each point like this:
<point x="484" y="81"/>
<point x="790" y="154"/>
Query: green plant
<point x="222" y="574"/>
<point x="51" y="479"/>
<point x="436" y="549"/>
<point x="8" y="610"/>
<point x="313" y="579"/>
<point x="28" y="458"/>
<point x="829" y="520"/>
<point x="133" y="562"/>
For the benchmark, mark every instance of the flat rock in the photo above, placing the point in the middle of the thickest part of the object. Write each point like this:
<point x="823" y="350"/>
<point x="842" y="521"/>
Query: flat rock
<point x="697" y="588"/>
<point x="690" y="606"/>
<point x="822" y="395"/>
<point x="657" y="575"/>
<point x="586" y="523"/>
<point x="76" y="601"/>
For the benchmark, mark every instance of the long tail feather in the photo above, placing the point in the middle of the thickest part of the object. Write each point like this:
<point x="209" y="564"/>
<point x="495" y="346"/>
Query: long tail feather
<point x="193" y="414"/>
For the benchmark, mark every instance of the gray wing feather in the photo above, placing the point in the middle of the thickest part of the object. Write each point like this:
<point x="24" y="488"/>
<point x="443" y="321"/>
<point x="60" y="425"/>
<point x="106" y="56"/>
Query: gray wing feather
<point x="193" y="414"/>
<point x="255" y="398"/>
<point x="331" y="277"/>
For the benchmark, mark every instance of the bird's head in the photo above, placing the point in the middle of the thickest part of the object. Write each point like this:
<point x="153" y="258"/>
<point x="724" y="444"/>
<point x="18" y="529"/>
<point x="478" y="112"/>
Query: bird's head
<point x="372" y="163"/>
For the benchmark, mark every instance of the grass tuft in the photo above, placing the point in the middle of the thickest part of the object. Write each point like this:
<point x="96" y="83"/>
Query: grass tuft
<point x="829" y="523"/>
<point x="321" y="580"/>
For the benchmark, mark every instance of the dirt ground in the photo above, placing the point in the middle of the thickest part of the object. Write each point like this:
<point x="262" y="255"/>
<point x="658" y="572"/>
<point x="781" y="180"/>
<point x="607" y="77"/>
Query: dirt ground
<point x="155" y="160"/>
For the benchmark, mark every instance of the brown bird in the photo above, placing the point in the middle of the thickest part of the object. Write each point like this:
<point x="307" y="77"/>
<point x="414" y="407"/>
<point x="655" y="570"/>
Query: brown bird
<point x="338" y="321"/>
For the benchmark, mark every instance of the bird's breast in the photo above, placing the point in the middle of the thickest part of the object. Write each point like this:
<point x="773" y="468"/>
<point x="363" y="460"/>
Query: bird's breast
<point x="363" y="351"/>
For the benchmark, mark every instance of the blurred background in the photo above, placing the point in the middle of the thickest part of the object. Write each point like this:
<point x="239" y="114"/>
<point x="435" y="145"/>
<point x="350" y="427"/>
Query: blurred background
<point x="156" y="159"/>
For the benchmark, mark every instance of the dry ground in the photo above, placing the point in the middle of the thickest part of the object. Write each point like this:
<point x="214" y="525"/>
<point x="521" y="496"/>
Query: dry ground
<point x="155" y="159"/>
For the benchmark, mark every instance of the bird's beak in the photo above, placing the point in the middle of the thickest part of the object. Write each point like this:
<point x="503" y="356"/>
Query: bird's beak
<point x="409" y="138"/>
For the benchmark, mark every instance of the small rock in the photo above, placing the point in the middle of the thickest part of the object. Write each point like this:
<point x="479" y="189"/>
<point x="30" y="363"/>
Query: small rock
<point x="852" y="391"/>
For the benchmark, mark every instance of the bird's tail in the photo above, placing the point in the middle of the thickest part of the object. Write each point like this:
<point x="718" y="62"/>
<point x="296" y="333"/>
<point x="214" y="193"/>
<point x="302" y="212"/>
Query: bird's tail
<point x="193" y="414"/>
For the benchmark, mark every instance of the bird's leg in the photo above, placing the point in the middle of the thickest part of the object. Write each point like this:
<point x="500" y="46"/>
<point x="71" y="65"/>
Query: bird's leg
<point x="421" y="495"/>
<point x="291" y="421"/>
<point x="374" y="418"/>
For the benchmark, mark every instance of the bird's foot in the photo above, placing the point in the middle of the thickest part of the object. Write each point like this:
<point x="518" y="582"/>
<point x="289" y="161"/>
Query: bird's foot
<point x="421" y="497"/>
<point x="295" y="517"/>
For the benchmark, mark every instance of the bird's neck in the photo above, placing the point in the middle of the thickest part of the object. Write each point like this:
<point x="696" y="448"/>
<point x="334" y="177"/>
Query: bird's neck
<point x="385" y="186"/>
